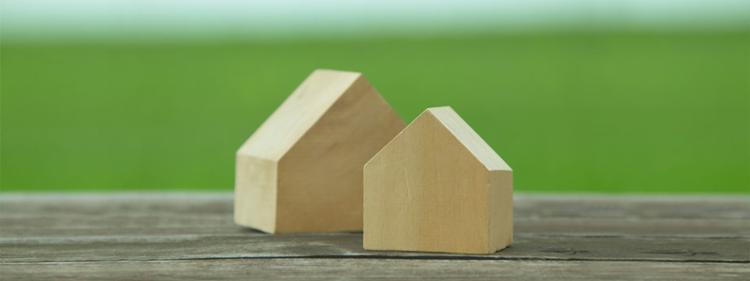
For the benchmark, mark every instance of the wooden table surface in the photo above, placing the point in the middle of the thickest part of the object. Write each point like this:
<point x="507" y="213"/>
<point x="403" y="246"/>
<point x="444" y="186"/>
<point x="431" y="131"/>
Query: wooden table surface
<point x="192" y="237"/>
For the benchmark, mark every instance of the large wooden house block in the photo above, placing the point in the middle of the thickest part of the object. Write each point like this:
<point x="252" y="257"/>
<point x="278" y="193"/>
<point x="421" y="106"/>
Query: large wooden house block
<point x="301" y="171"/>
<point x="438" y="187"/>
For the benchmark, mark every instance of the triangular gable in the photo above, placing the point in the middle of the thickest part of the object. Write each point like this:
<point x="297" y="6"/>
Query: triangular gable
<point x="438" y="187"/>
<point x="463" y="133"/>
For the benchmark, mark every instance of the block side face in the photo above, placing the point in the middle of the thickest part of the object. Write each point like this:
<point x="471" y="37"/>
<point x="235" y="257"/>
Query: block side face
<point x="298" y="113"/>
<point x="501" y="209"/>
<point x="255" y="193"/>
<point x="425" y="192"/>
<point x="320" y="178"/>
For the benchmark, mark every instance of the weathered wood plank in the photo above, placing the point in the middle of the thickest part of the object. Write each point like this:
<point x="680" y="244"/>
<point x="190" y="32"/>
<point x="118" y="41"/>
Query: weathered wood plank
<point x="137" y="227"/>
<point x="255" y="245"/>
<point x="525" y="205"/>
<point x="630" y="207"/>
<point x="62" y="226"/>
<point x="177" y="214"/>
<point x="114" y="203"/>
<point x="373" y="269"/>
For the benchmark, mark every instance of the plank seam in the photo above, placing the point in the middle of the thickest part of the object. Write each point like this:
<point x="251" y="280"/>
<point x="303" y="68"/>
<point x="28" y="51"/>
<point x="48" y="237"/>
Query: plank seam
<point x="389" y="257"/>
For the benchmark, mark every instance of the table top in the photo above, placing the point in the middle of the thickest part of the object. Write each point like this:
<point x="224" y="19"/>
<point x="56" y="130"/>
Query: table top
<point x="191" y="236"/>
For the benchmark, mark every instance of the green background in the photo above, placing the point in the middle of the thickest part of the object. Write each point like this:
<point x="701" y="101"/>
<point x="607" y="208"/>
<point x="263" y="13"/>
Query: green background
<point x="588" y="111"/>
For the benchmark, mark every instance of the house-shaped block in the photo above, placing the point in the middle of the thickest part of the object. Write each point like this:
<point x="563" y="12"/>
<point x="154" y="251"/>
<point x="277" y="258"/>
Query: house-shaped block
<point x="301" y="171"/>
<point x="438" y="187"/>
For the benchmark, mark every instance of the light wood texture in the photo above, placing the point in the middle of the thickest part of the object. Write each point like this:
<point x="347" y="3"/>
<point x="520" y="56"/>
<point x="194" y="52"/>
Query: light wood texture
<point x="301" y="171"/>
<point x="193" y="237"/>
<point x="438" y="187"/>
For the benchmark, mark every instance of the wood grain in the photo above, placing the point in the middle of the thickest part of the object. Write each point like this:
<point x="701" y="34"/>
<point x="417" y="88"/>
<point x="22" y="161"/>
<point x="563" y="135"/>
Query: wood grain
<point x="301" y="171"/>
<point x="372" y="269"/>
<point x="113" y="227"/>
<point x="210" y="213"/>
<point x="191" y="246"/>
<point x="438" y="187"/>
<point x="192" y="237"/>
<point x="526" y="205"/>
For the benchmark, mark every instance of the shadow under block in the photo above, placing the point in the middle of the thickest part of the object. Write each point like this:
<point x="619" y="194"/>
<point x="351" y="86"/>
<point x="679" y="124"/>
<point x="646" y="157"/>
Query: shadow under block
<point x="438" y="187"/>
<point x="301" y="171"/>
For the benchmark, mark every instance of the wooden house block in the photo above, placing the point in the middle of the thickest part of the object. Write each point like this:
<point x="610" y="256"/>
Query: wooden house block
<point x="438" y="187"/>
<point x="301" y="171"/>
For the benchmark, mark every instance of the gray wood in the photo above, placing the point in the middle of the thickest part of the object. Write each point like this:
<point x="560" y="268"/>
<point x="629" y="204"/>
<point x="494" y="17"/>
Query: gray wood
<point x="373" y="269"/>
<point x="124" y="214"/>
<point x="124" y="225"/>
<point x="527" y="205"/>
<point x="256" y="245"/>
<point x="192" y="236"/>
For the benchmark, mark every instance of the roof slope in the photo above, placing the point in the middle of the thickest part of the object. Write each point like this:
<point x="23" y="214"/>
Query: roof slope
<point x="469" y="138"/>
<point x="449" y="120"/>
<point x="299" y="112"/>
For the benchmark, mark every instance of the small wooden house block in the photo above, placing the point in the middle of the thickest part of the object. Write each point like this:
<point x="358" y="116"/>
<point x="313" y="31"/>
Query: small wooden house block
<point x="301" y="171"/>
<point x="438" y="187"/>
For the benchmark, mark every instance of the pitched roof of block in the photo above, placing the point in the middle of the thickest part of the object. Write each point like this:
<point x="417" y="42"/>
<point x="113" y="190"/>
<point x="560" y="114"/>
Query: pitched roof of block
<point x="449" y="120"/>
<point x="299" y="112"/>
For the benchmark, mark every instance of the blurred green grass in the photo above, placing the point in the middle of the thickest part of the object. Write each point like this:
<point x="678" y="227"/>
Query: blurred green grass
<point x="569" y="111"/>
